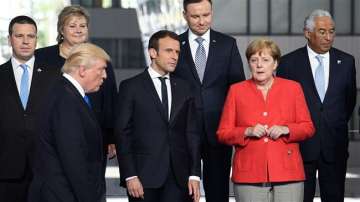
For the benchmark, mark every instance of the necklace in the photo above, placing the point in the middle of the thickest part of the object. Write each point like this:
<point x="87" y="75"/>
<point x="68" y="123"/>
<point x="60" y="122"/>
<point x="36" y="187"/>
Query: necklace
<point x="64" y="51"/>
<point x="266" y="87"/>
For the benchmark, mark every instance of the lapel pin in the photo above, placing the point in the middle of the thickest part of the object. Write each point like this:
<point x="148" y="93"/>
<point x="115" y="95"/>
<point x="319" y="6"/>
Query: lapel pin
<point x="339" y="61"/>
<point x="183" y="42"/>
<point x="39" y="70"/>
<point x="214" y="40"/>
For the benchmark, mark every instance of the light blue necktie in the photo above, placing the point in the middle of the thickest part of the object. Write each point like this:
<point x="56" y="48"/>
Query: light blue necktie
<point x="320" y="78"/>
<point x="87" y="100"/>
<point x="24" y="85"/>
<point x="200" y="58"/>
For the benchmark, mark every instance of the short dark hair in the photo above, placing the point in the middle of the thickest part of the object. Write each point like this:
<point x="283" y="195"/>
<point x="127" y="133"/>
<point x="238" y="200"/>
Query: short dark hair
<point x="187" y="2"/>
<point x="21" y="19"/>
<point x="154" y="39"/>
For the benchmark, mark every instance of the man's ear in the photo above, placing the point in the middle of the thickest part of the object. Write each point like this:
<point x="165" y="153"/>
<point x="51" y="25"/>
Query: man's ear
<point x="307" y="34"/>
<point x="152" y="53"/>
<point x="82" y="71"/>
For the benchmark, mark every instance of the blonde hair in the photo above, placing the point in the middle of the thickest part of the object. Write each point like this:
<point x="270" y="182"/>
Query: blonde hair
<point x="68" y="12"/>
<point x="261" y="44"/>
<point x="84" y="54"/>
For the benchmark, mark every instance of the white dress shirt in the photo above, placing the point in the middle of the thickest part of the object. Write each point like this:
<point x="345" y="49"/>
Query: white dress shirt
<point x="194" y="45"/>
<point x="75" y="83"/>
<point x="18" y="71"/>
<point x="315" y="63"/>
<point x="157" y="83"/>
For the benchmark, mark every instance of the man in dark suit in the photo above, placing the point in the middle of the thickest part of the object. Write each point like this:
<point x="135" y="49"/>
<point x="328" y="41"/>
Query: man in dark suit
<point x="69" y="154"/>
<point x="210" y="62"/>
<point x="22" y="84"/>
<point x="157" y="139"/>
<point x="327" y="76"/>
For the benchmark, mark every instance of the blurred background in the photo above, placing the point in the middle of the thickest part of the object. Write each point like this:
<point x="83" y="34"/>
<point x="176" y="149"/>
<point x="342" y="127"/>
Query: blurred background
<point x="122" y="28"/>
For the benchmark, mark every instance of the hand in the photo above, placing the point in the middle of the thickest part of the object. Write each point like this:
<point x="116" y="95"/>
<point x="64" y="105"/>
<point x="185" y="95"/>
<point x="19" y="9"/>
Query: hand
<point x="276" y="131"/>
<point x="194" y="190"/>
<point x="257" y="131"/>
<point x="111" y="151"/>
<point x="135" y="188"/>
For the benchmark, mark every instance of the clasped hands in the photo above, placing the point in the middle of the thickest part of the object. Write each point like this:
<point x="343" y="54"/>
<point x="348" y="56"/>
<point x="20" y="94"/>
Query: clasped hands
<point x="260" y="130"/>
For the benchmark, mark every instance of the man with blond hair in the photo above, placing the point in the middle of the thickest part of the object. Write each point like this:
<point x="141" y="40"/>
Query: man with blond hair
<point x="69" y="156"/>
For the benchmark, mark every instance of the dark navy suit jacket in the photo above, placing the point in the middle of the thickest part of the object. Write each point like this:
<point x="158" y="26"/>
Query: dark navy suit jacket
<point x="70" y="150"/>
<point x="18" y="133"/>
<point x="223" y="68"/>
<point x="330" y="117"/>
<point x="148" y="143"/>
<point x="103" y="101"/>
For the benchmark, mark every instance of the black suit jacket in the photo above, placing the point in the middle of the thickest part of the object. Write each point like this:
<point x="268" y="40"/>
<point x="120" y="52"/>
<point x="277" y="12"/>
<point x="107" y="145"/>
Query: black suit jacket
<point x="69" y="153"/>
<point x="330" y="117"/>
<point x="223" y="68"/>
<point x="102" y="101"/>
<point x="18" y="126"/>
<point x="148" y="143"/>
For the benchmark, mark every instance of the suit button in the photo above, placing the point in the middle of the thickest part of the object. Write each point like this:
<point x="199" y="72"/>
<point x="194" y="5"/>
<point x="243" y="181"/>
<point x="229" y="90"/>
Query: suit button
<point x="289" y="152"/>
<point x="265" y="113"/>
<point x="266" y="139"/>
<point x="25" y="115"/>
<point x="266" y="126"/>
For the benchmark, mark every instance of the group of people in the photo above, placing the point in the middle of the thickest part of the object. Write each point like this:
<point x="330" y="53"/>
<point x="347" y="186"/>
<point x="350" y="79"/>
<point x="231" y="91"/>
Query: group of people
<point x="62" y="115"/>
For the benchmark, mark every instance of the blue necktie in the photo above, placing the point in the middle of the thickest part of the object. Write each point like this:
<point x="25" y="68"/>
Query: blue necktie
<point x="200" y="58"/>
<point x="320" y="78"/>
<point x="24" y="85"/>
<point x="87" y="100"/>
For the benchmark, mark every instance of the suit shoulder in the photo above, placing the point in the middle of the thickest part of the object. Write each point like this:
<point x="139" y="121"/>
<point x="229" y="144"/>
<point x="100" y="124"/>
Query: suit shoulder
<point x="222" y="36"/>
<point x="5" y="66"/>
<point x="292" y="54"/>
<point x="133" y="80"/>
<point x="341" y="53"/>
<point x="46" y="51"/>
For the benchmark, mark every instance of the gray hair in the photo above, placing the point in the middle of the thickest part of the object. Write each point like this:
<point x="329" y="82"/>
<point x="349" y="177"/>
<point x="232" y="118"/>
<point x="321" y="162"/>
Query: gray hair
<point x="309" y="23"/>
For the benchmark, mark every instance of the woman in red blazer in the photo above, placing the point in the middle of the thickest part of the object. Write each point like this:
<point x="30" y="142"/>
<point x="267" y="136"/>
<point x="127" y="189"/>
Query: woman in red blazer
<point x="264" y="118"/>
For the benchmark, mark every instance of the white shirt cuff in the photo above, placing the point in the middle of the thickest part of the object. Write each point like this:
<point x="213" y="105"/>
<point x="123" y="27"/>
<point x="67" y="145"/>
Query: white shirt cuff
<point x="130" y="178"/>
<point x="197" y="178"/>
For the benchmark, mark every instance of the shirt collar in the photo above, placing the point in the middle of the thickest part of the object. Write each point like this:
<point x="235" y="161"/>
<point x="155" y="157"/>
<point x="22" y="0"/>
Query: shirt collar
<point x="16" y="64"/>
<point x="154" y="74"/>
<point x="75" y="83"/>
<point x="313" y="54"/>
<point x="205" y="36"/>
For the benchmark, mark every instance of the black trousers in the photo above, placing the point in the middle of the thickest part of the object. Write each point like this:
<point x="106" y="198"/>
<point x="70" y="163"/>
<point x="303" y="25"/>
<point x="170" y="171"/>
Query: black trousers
<point x="216" y="172"/>
<point x="331" y="179"/>
<point x="170" y="191"/>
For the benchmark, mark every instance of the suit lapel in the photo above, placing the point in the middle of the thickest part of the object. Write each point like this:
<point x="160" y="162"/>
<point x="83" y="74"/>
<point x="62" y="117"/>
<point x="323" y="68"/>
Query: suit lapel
<point x="333" y="64"/>
<point x="209" y="69"/>
<point x="36" y="85"/>
<point x="150" y="88"/>
<point x="176" y="98"/>
<point x="72" y="89"/>
<point x="188" y="56"/>
<point x="308" y="78"/>
<point x="13" y="91"/>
